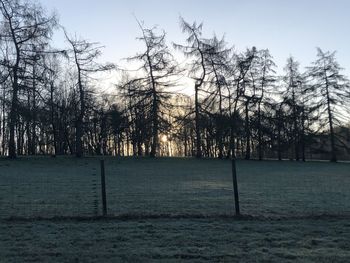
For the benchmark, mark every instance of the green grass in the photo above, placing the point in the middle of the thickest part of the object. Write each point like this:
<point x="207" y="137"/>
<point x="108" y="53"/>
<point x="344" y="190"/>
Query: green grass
<point x="186" y="240"/>
<point x="48" y="187"/>
<point x="162" y="201"/>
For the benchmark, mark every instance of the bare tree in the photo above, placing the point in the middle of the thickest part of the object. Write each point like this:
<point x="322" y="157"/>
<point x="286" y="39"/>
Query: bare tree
<point x="197" y="50"/>
<point x="159" y="67"/>
<point x="293" y="95"/>
<point x="265" y="82"/>
<point x="84" y="55"/>
<point x="24" y="24"/>
<point x="217" y="59"/>
<point x="332" y="93"/>
<point x="241" y="68"/>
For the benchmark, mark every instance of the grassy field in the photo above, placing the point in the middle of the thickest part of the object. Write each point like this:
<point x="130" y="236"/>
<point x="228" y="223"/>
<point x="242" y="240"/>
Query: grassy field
<point x="49" y="187"/>
<point x="184" y="240"/>
<point x="173" y="210"/>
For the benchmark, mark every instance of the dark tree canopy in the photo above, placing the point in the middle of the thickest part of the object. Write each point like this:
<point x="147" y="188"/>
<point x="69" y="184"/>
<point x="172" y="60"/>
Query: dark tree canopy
<point x="235" y="104"/>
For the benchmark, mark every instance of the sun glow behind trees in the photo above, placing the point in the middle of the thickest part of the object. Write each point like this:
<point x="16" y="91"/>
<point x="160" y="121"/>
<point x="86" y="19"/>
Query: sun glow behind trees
<point x="207" y="98"/>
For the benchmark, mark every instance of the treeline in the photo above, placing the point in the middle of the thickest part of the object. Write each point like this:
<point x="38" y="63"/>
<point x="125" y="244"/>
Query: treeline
<point x="240" y="108"/>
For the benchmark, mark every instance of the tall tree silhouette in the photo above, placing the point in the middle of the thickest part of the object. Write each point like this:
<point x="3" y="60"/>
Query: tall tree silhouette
<point x="218" y="61"/>
<point x="196" y="49"/>
<point x="265" y="83"/>
<point x="159" y="68"/>
<point x="293" y="94"/>
<point x="26" y="25"/>
<point x="332" y="93"/>
<point x="245" y="93"/>
<point x="84" y="55"/>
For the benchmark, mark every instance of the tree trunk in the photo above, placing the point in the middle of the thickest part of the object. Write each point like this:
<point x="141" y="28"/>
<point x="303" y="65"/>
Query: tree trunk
<point x="34" y="113"/>
<point x="54" y="132"/>
<point x="28" y="127"/>
<point x="303" y="137"/>
<point x="331" y="128"/>
<point x="197" y="124"/>
<point x="247" y="131"/>
<point x="79" y="123"/>
<point x="260" y="150"/>
<point x="13" y="115"/>
<point x="279" y="150"/>
<point x="155" y="125"/>
<point x="296" y="132"/>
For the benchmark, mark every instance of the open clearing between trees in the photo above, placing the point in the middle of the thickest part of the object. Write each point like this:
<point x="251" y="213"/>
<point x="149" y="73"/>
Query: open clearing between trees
<point x="173" y="210"/>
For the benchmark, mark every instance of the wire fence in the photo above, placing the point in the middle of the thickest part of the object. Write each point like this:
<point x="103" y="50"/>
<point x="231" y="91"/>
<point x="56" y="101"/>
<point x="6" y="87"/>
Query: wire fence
<point x="142" y="187"/>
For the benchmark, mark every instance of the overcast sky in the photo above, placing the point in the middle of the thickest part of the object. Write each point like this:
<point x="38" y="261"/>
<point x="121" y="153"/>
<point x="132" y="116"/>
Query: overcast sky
<point x="293" y="27"/>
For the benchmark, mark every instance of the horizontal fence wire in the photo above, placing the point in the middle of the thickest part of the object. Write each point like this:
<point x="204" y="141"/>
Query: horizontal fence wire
<point x="178" y="186"/>
<point x="43" y="187"/>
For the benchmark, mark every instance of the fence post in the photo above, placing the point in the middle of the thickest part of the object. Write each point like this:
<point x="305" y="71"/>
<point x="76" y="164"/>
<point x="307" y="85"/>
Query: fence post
<point x="235" y="186"/>
<point x="103" y="188"/>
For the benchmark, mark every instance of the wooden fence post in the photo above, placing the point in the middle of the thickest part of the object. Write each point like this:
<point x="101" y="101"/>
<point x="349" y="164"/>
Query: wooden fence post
<point x="103" y="188"/>
<point x="235" y="187"/>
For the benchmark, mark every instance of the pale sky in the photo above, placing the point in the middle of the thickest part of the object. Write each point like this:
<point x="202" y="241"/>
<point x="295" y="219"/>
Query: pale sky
<point x="293" y="27"/>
